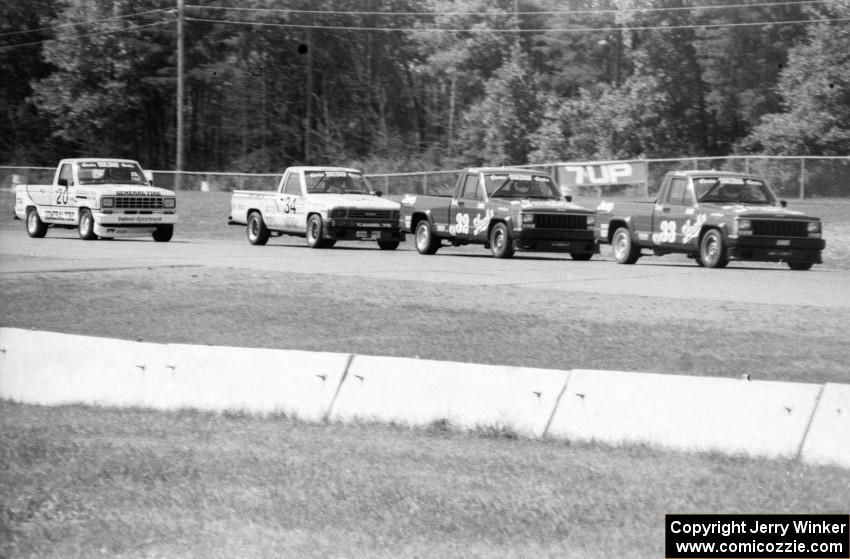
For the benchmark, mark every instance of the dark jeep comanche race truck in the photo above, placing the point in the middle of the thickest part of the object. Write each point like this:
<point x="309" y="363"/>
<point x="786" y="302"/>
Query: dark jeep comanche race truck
<point x="713" y="217"/>
<point x="505" y="210"/>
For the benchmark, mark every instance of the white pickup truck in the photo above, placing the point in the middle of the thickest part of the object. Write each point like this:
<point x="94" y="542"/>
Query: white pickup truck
<point x="323" y="204"/>
<point x="104" y="198"/>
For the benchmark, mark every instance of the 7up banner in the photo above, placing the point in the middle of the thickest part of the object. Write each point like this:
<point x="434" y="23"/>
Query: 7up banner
<point x="575" y="176"/>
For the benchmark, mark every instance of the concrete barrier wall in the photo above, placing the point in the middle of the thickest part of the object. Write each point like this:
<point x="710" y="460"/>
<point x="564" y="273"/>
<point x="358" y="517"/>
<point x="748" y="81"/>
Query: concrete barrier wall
<point x="51" y="369"/>
<point x="828" y="439"/>
<point x="686" y="413"/>
<point x="417" y="392"/>
<point x="777" y="419"/>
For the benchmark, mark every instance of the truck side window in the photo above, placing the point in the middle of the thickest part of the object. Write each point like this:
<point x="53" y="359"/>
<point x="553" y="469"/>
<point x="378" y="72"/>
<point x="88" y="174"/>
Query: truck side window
<point x="678" y="188"/>
<point x="66" y="172"/>
<point x="470" y="188"/>
<point x="292" y="186"/>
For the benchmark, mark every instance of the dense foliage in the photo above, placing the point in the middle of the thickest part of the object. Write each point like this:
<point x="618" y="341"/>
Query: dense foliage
<point x="394" y="85"/>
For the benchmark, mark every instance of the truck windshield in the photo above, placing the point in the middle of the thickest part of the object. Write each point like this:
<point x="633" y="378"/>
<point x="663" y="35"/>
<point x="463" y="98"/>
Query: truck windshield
<point x="111" y="172"/>
<point x="733" y="190"/>
<point x="336" y="182"/>
<point x="521" y="185"/>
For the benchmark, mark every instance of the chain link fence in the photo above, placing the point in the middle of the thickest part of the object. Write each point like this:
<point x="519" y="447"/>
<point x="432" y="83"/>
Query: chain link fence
<point x="790" y="177"/>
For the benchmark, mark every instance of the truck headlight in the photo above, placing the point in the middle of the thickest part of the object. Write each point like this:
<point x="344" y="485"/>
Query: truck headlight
<point x="814" y="229"/>
<point x="591" y="221"/>
<point x="338" y="212"/>
<point x="169" y="203"/>
<point x="527" y="218"/>
<point x="745" y="226"/>
<point x="107" y="202"/>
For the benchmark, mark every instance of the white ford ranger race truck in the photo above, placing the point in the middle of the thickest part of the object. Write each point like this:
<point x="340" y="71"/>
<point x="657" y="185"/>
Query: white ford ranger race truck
<point x="323" y="204"/>
<point x="104" y="198"/>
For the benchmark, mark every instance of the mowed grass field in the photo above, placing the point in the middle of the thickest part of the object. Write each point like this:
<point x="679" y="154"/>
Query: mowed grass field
<point x="86" y="482"/>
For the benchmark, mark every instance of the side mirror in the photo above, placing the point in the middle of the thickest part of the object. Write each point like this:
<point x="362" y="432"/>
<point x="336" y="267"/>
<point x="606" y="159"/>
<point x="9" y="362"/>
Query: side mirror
<point x="63" y="182"/>
<point x="783" y="203"/>
<point x="379" y="193"/>
<point x="568" y="198"/>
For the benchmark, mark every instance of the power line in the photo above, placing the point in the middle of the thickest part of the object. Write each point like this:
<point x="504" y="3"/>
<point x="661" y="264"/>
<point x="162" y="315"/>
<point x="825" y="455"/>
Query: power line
<point x="513" y="30"/>
<point x="73" y="37"/>
<point x="60" y="25"/>
<point x="511" y="13"/>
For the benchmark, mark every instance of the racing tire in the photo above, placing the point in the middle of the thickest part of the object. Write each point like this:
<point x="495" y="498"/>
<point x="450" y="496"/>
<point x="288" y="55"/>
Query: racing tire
<point x="501" y="245"/>
<point x="256" y="230"/>
<point x="388" y="245"/>
<point x="86" y="225"/>
<point x="581" y="256"/>
<point x="800" y="266"/>
<point x="35" y="227"/>
<point x="426" y="242"/>
<point x="624" y="250"/>
<point x="712" y="251"/>
<point x="163" y="233"/>
<point x="314" y="232"/>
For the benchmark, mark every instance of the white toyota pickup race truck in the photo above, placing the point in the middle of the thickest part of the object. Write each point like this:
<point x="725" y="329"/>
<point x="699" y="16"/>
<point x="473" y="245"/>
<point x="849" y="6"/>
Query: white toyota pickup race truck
<point x="104" y="198"/>
<point x="323" y="204"/>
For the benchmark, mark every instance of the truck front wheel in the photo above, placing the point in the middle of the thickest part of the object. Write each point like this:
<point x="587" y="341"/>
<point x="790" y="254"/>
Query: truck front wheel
<point x="426" y="242"/>
<point x="86" y="225"/>
<point x="258" y="233"/>
<point x="35" y="227"/>
<point x="625" y="251"/>
<point x="500" y="241"/>
<point x="314" y="232"/>
<point x="712" y="252"/>
<point x="163" y="233"/>
<point x="388" y="245"/>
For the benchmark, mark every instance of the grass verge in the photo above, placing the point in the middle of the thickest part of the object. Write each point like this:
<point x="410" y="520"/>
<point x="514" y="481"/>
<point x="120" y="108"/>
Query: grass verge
<point x="78" y="481"/>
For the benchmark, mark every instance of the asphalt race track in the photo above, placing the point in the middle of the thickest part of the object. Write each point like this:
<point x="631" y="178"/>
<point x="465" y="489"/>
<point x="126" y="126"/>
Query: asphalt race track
<point x="670" y="276"/>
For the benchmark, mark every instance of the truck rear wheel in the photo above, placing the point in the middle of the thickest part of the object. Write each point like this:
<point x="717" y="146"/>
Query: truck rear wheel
<point x="258" y="233"/>
<point x="712" y="252"/>
<point x="163" y="233"/>
<point x="426" y="242"/>
<point x="35" y="227"/>
<point x="86" y="225"/>
<point x="500" y="241"/>
<point x="625" y="251"/>
<point x="314" y="232"/>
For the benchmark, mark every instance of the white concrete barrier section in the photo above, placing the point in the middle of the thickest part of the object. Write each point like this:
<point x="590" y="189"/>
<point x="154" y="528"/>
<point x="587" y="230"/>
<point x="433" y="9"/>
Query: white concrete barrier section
<point x="686" y="413"/>
<point x="418" y="392"/>
<point x="828" y="438"/>
<point x="51" y="369"/>
<point x="297" y="383"/>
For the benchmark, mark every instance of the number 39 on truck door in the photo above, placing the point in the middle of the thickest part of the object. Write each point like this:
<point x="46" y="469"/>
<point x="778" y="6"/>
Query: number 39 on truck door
<point x="673" y="224"/>
<point x="467" y="210"/>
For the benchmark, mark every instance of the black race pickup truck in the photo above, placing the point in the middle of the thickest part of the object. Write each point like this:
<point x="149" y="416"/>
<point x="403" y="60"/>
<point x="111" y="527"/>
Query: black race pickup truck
<point x="503" y="209"/>
<point x="713" y="217"/>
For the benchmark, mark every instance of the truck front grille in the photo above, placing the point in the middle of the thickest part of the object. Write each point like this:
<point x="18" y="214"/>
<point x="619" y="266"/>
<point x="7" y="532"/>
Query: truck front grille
<point x="560" y="221"/>
<point x="138" y="202"/>
<point x="373" y="214"/>
<point x="779" y="228"/>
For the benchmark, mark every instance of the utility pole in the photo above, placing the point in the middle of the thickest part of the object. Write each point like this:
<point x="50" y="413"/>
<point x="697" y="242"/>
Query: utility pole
<point x="178" y="176"/>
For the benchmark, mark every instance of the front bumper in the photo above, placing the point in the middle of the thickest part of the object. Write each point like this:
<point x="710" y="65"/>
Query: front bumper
<point x="541" y="240"/>
<point x="765" y="249"/>
<point x="351" y="230"/>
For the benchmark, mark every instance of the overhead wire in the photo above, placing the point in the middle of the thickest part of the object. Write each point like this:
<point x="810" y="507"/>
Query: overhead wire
<point x="519" y="30"/>
<point x="81" y="36"/>
<point x="89" y="22"/>
<point x="508" y="13"/>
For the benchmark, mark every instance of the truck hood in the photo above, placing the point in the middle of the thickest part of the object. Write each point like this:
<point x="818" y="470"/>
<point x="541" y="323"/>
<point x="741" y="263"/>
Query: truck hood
<point x="360" y="201"/>
<point x="123" y="190"/>
<point x="743" y="210"/>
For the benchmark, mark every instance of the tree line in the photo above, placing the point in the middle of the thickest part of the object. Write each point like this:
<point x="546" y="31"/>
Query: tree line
<point x="399" y="85"/>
